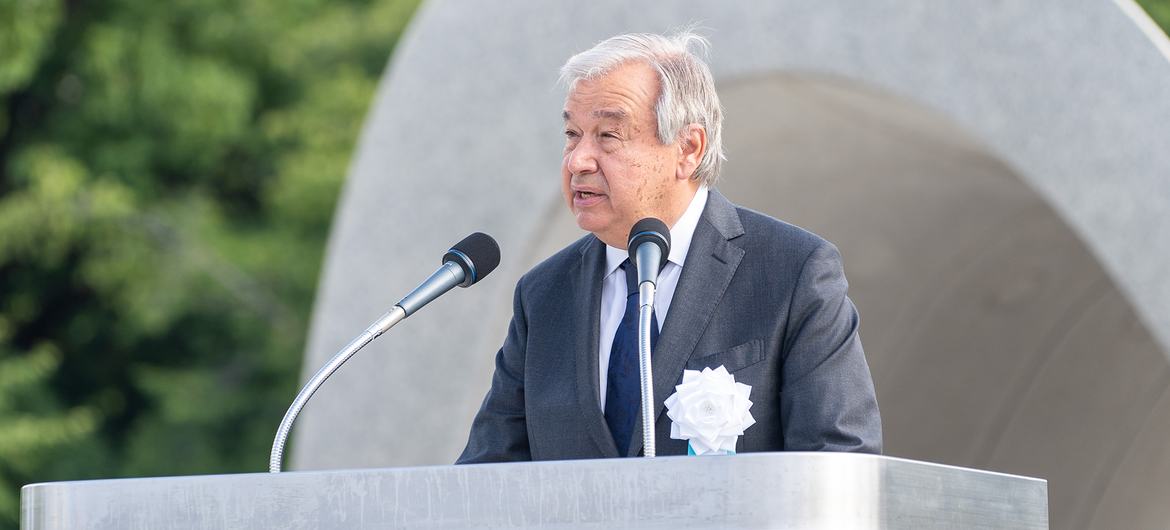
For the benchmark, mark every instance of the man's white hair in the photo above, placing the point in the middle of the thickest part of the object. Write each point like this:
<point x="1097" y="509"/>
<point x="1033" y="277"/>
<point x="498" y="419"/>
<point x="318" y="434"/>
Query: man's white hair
<point x="686" y="88"/>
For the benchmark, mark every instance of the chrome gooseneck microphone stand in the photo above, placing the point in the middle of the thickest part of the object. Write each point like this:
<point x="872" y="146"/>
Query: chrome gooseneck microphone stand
<point x="646" y="292"/>
<point x="375" y="330"/>
<point x="469" y="261"/>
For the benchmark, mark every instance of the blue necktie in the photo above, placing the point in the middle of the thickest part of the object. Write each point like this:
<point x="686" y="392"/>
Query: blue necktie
<point x="623" y="393"/>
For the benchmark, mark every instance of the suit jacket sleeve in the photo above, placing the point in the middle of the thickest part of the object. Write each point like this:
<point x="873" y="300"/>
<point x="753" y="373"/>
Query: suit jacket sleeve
<point x="827" y="401"/>
<point x="499" y="432"/>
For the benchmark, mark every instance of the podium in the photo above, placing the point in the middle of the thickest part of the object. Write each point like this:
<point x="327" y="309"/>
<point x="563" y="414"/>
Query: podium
<point x="763" y="490"/>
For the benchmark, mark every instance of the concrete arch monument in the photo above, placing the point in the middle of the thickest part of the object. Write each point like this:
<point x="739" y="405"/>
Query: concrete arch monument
<point x="996" y="176"/>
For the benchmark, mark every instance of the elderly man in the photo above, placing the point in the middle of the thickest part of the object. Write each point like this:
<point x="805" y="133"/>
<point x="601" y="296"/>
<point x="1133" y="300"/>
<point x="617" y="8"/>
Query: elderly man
<point x="741" y="290"/>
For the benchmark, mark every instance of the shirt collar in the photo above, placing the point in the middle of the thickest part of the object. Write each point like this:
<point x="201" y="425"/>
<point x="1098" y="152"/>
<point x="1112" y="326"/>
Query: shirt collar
<point x="680" y="235"/>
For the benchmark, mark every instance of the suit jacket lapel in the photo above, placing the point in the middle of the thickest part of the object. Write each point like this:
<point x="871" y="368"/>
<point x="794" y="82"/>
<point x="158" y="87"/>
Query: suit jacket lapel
<point x="710" y="265"/>
<point x="585" y="326"/>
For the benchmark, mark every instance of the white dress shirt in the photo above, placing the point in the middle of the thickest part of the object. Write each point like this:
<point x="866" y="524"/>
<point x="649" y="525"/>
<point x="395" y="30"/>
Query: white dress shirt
<point x="613" y="288"/>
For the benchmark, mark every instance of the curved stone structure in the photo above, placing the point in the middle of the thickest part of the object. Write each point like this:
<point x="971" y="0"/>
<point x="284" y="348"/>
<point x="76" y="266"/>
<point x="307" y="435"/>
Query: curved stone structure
<point x="994" y="175"/>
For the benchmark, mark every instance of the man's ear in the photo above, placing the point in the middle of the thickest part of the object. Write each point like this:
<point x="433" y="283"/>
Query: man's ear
<point x="692" y="144"/>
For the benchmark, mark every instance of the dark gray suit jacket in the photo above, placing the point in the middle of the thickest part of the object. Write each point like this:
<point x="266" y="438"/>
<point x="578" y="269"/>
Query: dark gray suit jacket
<point x="759" y="296"/>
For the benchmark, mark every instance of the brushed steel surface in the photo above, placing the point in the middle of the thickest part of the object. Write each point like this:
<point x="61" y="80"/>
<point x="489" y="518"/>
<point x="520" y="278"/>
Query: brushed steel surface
<point x="778" y="490"/>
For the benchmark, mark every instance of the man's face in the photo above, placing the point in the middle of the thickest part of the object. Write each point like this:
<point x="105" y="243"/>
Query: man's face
<point x="615" y="171"/>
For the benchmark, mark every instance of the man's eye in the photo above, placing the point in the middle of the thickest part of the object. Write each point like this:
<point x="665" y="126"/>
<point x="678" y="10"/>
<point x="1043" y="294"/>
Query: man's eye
<point x="571" y="135"/>
<point x="609" y="135"/>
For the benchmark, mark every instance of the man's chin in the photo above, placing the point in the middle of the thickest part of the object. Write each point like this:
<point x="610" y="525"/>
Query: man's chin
<point x="588" y="222"/>
<point x="592" y="224"/>
<point x="605" y="232"/>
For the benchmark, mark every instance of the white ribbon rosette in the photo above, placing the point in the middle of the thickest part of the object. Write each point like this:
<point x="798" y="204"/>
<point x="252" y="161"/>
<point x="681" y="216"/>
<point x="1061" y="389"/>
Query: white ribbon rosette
<point x="710" y="410"/>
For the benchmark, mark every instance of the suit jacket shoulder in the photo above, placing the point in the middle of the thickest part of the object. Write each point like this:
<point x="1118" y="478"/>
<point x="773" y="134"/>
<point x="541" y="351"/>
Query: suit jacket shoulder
<point x="555" y="270"/>
<point x="786" y="244"/>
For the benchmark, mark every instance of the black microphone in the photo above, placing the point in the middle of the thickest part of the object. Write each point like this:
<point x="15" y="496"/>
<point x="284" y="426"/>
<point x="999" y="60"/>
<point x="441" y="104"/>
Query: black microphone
<point x="649" y="247"/>
<point x="469" y="261"/>
<point x="465" y="263"/>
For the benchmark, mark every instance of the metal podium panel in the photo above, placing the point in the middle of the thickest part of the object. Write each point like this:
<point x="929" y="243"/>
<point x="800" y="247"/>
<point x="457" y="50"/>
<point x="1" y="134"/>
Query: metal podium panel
<point x="767" y="490"/>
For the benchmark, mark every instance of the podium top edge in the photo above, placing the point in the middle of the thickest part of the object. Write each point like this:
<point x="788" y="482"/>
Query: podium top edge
<point x="819" y="457"/>
<point x="792" y="490"/>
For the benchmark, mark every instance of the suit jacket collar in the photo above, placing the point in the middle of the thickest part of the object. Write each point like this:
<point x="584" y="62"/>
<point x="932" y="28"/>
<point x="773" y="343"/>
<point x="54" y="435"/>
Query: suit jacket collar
<point x="722" y="216"/>
<point x="585" y="325"/>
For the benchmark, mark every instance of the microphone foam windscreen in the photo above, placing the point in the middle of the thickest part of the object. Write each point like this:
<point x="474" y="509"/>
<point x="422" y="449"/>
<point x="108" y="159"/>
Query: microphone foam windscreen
<point x="650" y="230"/>
<point x="481" y="250"/>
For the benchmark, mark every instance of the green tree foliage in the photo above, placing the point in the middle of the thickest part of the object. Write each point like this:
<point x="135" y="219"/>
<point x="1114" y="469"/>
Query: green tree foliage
<point x="168" y="171"/>
<point x="1159" y="10"/>
<point x="32" y="423"/>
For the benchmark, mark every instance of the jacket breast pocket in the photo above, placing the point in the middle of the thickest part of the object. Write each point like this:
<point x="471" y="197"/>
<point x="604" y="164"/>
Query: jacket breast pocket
<point x="735" y="359"/>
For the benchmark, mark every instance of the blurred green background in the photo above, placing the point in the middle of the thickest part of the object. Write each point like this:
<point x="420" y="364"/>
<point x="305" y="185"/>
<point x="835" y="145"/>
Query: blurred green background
<point x="168" y="172"/>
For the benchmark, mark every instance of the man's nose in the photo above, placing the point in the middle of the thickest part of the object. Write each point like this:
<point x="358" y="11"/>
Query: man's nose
<point x="581" y="159"/>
